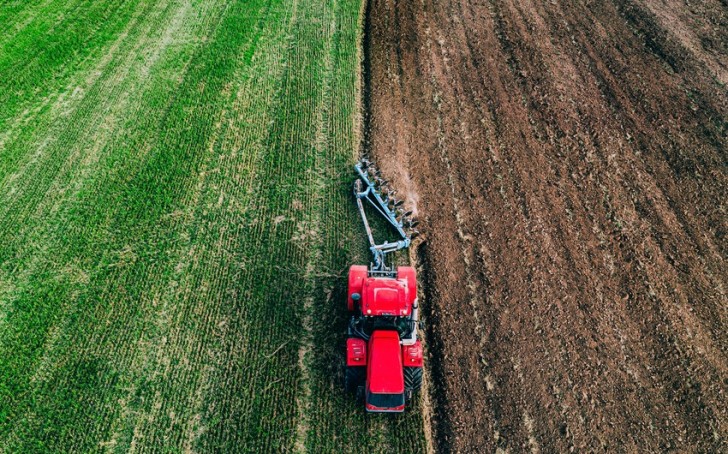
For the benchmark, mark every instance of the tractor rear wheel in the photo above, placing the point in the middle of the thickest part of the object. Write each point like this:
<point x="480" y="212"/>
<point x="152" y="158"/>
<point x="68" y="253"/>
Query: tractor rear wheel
<point x="412" y="380"/>
<point x="354" y="378"/>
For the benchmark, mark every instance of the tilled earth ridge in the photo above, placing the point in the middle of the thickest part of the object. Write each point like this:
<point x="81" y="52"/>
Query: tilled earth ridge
<point x="568" y="163"/>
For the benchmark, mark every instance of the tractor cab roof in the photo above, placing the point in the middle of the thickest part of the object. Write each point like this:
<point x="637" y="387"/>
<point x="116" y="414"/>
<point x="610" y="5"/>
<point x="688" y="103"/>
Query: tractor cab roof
<point x="385" y="296"/>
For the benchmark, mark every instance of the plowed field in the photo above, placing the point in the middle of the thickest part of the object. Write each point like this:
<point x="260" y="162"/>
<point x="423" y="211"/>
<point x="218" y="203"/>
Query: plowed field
<point x="568" y="161"/>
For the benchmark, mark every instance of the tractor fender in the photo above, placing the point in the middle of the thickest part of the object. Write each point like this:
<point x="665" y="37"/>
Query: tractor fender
<point x="412" y="355"/>
<point x="357" y="276"/>
<point x="356" y="352"/>
<point x="408" y="273"/>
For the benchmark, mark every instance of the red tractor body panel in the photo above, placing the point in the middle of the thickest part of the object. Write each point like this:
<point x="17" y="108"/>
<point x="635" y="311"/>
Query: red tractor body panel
<point x="385" y="380"/>
<point x="356" y="352"/>
<point x="357" y="275"/>
<point x="412" y="355"/>
<point x="408" y="275"/>
<point x="380" y="295"/>
<point x="385" y="296"/>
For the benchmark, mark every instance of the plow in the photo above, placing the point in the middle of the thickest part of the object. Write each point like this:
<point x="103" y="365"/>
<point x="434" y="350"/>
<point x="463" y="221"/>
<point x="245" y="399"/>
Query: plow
<point x="384" y="356"/>
<point x="368" y="188"/>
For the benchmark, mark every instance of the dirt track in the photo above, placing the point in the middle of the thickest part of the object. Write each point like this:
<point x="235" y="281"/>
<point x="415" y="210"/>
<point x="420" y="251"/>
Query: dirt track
<point x="568" y="160"/>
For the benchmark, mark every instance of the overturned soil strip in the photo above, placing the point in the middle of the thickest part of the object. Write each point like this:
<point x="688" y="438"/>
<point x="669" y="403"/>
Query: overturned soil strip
<point x="568" y="164"/>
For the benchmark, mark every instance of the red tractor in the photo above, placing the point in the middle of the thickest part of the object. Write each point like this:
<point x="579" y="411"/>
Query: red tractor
<point x="383" y="355"/>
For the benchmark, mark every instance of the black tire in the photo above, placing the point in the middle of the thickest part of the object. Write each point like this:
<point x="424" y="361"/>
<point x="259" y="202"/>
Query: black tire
<point x="354" y="378"/>
<point x="413" y="379"/>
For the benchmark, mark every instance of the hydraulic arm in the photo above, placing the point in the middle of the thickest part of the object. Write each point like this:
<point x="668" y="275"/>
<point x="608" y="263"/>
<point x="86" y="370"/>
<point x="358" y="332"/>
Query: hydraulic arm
<point x="367" y="188"/>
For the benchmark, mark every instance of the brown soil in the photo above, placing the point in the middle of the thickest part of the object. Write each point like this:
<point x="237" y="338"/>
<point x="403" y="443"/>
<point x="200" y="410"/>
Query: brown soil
<point x="568" y="163"/>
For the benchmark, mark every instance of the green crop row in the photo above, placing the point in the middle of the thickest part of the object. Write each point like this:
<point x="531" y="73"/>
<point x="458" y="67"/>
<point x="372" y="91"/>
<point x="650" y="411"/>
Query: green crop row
<point x="175" y="227"/>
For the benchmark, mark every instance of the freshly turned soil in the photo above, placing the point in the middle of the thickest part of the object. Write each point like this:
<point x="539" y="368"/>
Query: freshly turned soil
<point x="567" y="161"/>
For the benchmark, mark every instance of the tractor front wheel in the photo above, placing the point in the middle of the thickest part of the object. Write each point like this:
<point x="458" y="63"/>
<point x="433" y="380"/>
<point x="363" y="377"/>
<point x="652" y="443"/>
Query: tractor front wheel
<point x="412" y="381"/>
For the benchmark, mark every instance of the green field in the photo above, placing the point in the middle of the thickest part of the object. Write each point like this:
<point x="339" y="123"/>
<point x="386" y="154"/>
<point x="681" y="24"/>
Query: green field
<point x="175" y="227"/>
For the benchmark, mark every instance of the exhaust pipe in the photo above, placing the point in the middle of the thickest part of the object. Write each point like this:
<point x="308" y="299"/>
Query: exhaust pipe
<point x="415" y="318"/>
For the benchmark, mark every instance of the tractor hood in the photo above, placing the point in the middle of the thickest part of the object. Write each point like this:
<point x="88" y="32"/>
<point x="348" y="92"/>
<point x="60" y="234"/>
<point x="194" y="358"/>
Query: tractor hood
<point x="384" y="369"/>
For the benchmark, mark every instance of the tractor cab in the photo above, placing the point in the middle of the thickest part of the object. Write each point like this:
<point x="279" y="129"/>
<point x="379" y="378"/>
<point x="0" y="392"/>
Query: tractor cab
<point x="386" y="303"/>
<point x="383" y="296"/>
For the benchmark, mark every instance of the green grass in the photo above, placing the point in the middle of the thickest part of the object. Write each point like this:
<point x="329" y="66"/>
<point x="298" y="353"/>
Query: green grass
<point x="175" y="227"/>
